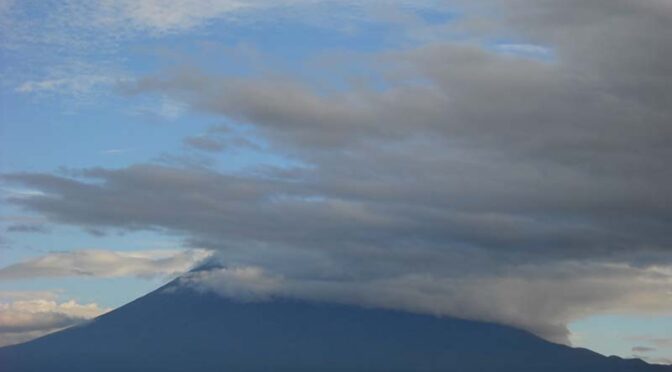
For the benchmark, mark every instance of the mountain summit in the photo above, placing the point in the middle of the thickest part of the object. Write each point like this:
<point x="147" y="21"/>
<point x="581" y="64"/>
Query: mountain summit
<point x="178" y="329"/>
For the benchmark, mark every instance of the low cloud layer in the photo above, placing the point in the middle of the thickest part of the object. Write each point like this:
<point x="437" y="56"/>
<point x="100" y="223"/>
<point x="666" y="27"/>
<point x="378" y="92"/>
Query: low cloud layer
<point x="27" y="315"/>
<point x="102" y="263"/>
<point x="459" y="178"/>
<point x="526" y="298"/>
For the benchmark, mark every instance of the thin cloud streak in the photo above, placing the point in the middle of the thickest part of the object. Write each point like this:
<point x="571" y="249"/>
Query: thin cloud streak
<point x="102" y="263"/>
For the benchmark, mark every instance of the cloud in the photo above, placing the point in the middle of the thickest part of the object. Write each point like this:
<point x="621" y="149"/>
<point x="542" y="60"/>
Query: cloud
<point x="643" y="349"/>
<point x="219" y="139"/>
<point x="525" y="298"/>
<point x="118" y="151"/>
<point x="213" y="143"/>
<point x="204" y="143"/>
<point x="656" y="342"/>
<point x="662" y="342"/>
<point x="240" y="283"/>
<point x="111" y="21"/>
<point x="176" y="15"/>
<point x="459" y="179"/>
<point x="525" y="50"/>
<point x="27" y="315"/>
<point x="75" y="85"/>
<point x="101" y="263"/>
<point x="654" y="349"/>
<point x="74" y="78"/>
<point x="27" y="228"/>
<point x="71" y="47"/>
<point x="159" y="17"/>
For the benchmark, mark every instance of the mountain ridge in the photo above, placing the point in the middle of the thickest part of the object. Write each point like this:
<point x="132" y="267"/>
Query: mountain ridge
<point x="176" y="328"/>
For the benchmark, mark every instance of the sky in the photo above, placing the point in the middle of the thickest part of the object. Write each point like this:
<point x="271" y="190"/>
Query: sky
<point x="503" y="161"/>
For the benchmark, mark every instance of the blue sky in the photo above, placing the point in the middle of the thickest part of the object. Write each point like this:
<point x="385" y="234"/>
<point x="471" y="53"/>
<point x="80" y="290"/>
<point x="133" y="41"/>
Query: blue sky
<point x="90" y="86"/>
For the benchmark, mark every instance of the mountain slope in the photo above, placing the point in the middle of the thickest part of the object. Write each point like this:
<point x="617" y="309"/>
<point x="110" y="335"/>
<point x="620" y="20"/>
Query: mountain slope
<point x="177" y="329"/>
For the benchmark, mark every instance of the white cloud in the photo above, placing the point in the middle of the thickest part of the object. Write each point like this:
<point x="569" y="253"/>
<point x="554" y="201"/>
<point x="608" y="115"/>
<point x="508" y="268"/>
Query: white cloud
<point x="71" y="47"/>
<point x="75" y="84"/>
<point x="27" y="315"/>
<point x="73" y="78"/>
<point x="528" y="50"/>
<point x="9" y="296"/>
<point x="102" y="263"/>
<point x="242" y="283"/>
<point x="162" y="109"/>
<point x="116" y="151"/>
<point x="163" y="16"/>
<point x="126" y="17"/>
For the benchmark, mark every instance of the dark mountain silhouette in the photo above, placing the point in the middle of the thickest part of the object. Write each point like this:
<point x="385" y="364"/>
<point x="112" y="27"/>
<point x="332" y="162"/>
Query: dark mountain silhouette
<point x="178" y="329"/>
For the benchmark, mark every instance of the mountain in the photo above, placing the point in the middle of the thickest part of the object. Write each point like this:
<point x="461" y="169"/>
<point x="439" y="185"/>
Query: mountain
<point x="178" y="329"/>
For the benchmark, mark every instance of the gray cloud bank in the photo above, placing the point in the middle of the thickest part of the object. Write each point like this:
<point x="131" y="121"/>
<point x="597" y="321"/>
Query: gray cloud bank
<point x="475" y="183"/>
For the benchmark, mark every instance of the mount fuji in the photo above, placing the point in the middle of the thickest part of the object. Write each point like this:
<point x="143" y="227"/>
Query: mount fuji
<point x="176" y="328"/>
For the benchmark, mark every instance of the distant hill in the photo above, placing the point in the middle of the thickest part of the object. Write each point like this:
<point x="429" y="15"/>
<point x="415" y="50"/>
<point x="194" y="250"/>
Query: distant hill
<point x="182" y="330"/>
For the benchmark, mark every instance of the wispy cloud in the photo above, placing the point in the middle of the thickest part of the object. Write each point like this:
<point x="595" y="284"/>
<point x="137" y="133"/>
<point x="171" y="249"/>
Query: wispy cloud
<point x="76" y="85"/>
<point x="643" y="349"/>
<point x="116" y="151"/>
<point x="27" y="228"/>
<point x="102" y="263"/>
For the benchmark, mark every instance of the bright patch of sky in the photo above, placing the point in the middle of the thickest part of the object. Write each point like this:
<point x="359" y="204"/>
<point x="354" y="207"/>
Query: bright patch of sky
<point x="649" y="338"/>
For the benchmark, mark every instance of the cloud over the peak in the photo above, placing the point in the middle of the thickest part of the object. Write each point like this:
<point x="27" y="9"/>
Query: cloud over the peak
<point x="541" y="299"/>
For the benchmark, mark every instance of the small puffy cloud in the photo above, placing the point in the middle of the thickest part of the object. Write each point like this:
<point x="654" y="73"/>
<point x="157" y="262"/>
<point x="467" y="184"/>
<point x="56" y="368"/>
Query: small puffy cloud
<point x="103" y="263"/>
<point x="27" y="315"/>
<point x="31" y="315"/>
